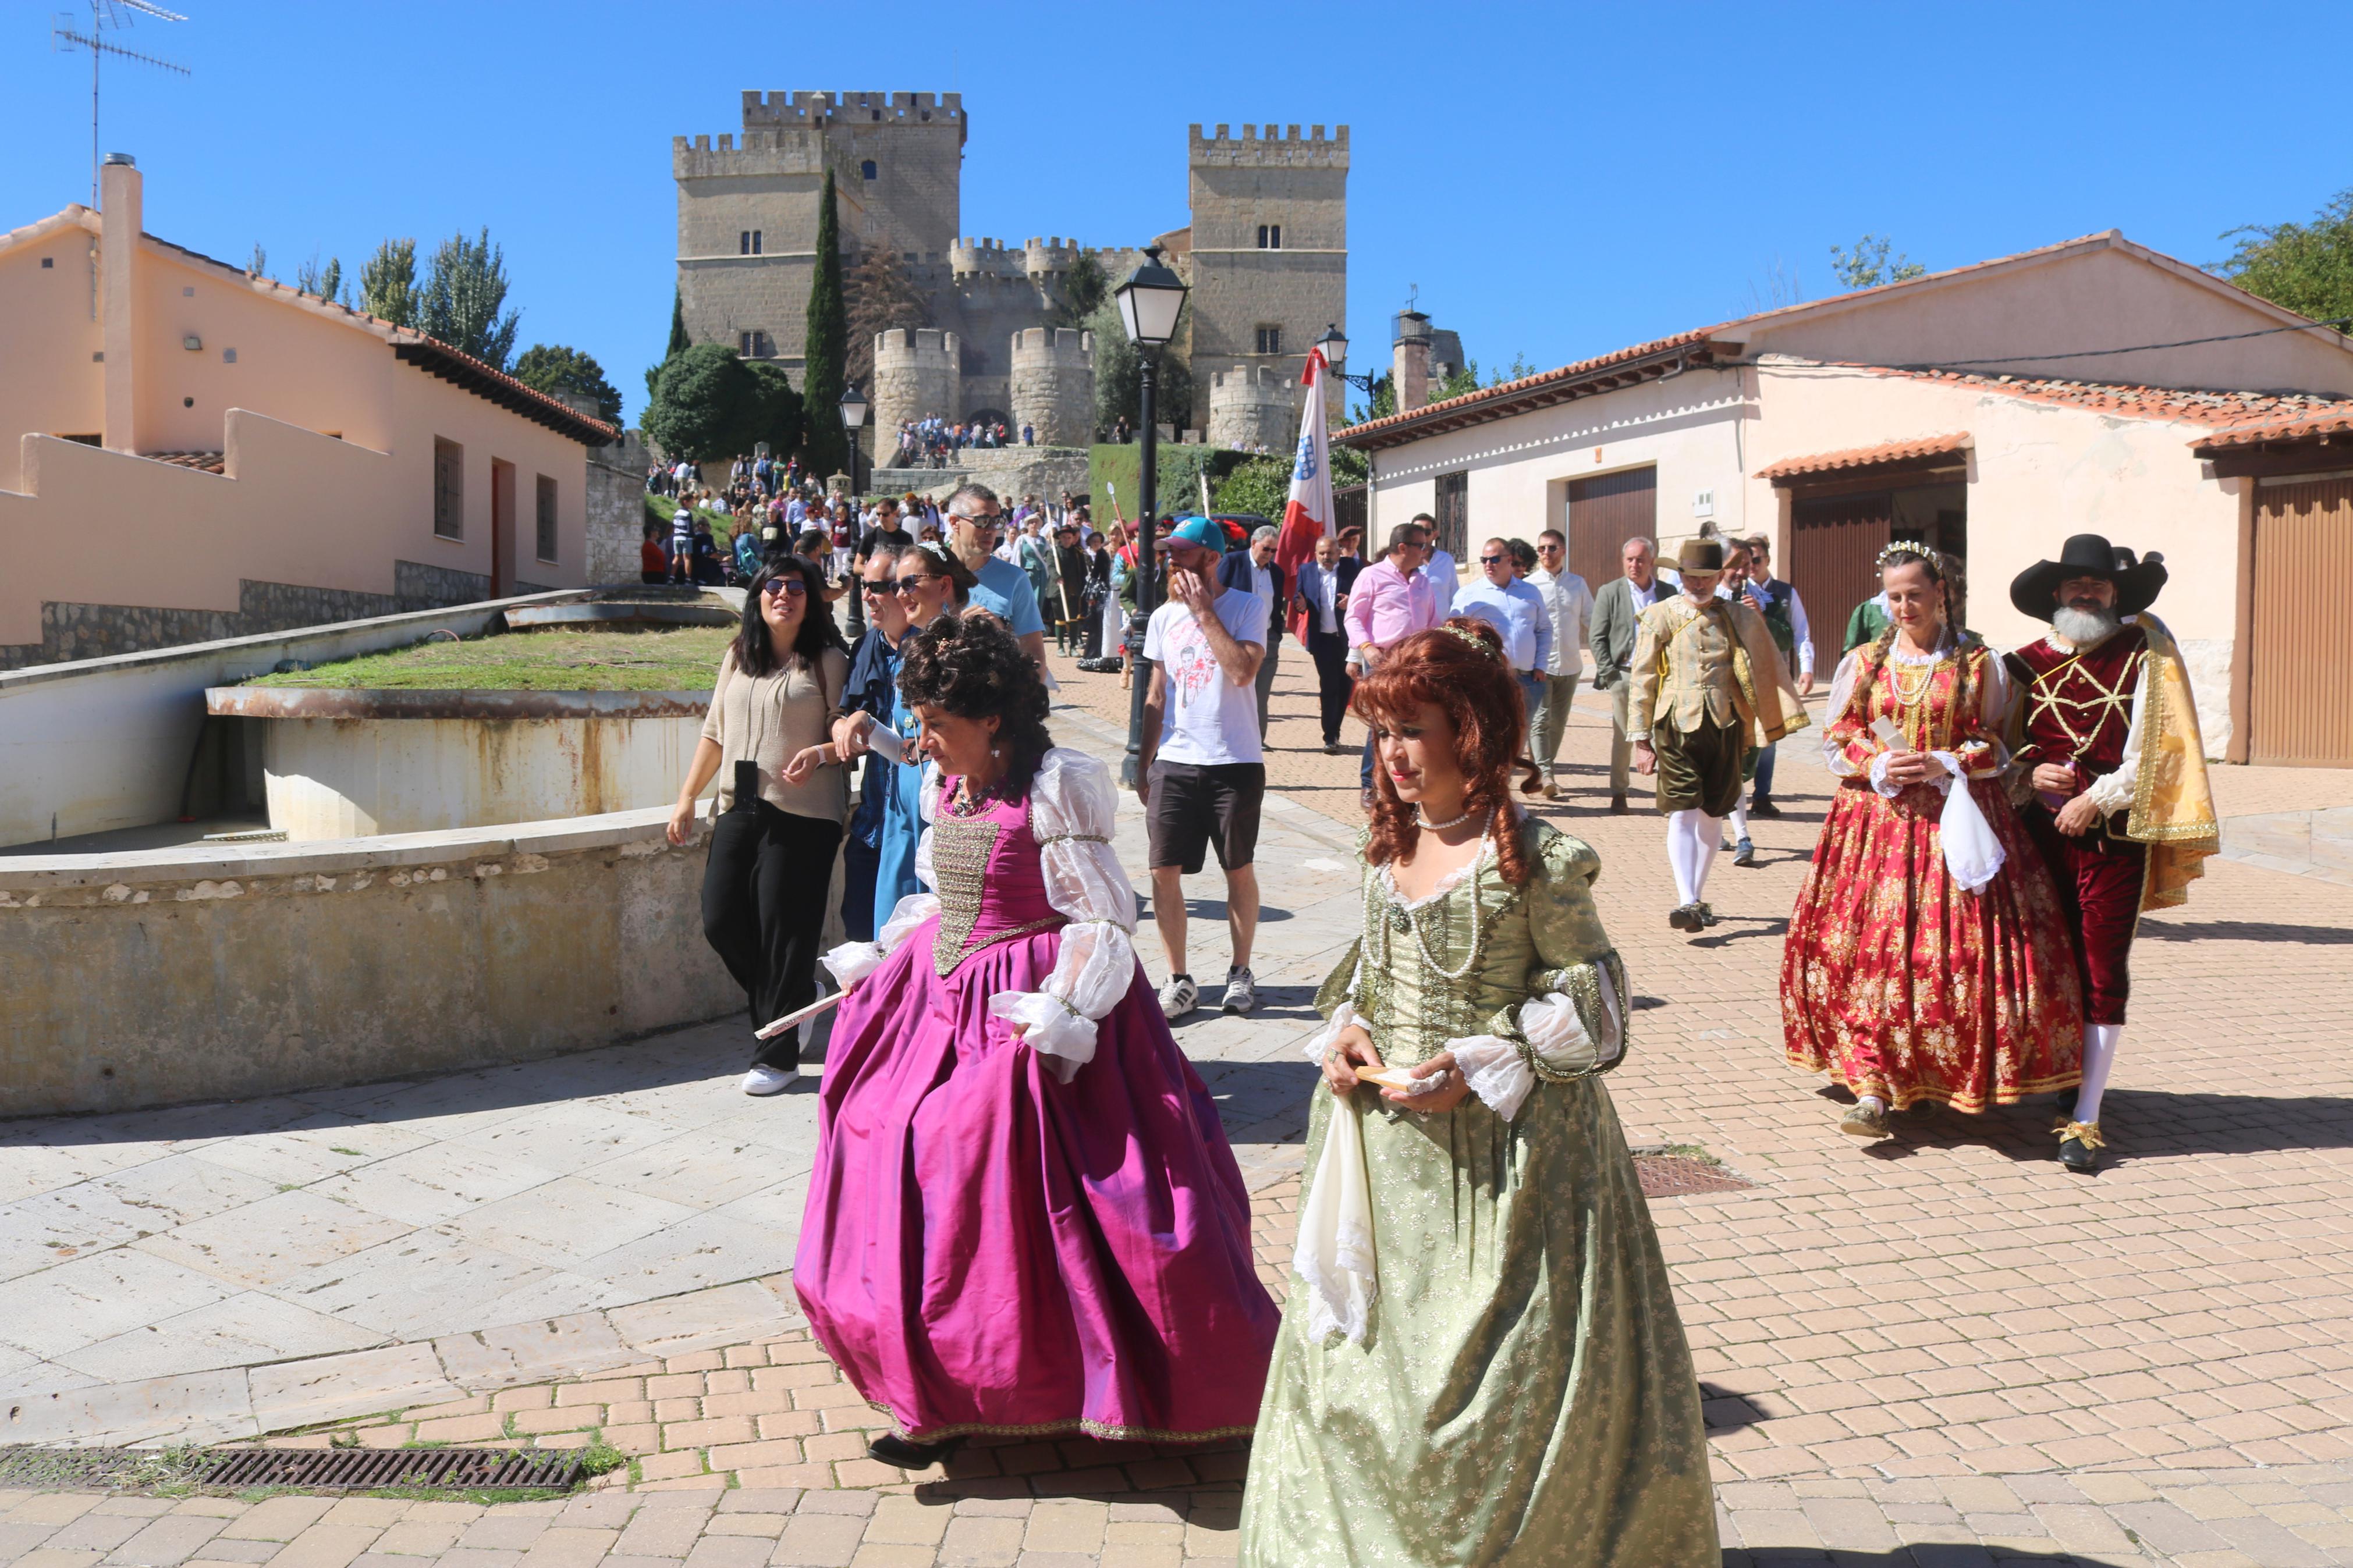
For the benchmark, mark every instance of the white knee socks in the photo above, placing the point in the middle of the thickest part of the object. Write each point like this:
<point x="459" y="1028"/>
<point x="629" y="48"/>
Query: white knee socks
<point x="1692" y="843"/>
<point x="1739" y="823"/>
<point x="2100" y="1042"/>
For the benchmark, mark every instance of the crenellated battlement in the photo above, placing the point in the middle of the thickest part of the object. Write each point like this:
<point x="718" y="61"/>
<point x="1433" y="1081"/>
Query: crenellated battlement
<point x="927" y="346"/>
<point x="807" y="109"/>
<point x="1043" y="345"/>
<point x="1280" y="146"/>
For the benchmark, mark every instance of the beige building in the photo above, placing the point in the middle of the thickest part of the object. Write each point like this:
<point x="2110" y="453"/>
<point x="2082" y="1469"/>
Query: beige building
<point x="189" y="452"/>
<point x="1266" y="251"/>
<point x="1991" y="410"/>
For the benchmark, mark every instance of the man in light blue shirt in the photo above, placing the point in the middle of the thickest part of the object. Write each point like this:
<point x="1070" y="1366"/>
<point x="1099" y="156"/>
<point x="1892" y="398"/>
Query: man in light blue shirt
<point x="975" y="523"/>
<point x="1517" y="610"/>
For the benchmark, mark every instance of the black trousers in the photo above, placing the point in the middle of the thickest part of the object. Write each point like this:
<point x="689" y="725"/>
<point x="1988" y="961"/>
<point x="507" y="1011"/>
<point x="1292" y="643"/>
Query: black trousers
<point x="1333" y="685"/>
<point x="763" y="910"/>
<point x="859" y="865"/>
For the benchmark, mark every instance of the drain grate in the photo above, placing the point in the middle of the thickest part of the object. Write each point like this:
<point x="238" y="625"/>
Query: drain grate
<point x="1677" y="1175"/>
<point x="325" y="1469"/>
<point x="310" y="1469"/>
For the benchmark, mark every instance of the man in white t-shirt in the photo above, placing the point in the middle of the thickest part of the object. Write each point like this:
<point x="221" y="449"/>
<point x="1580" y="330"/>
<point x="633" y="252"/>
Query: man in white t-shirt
<point x="1202" y="774"/>
<point x="1445" y="576"/>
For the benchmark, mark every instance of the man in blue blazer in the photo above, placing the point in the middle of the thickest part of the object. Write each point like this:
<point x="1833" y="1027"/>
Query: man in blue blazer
<point x="1321" y="596"/>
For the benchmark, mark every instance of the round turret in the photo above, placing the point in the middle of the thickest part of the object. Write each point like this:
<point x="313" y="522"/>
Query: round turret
<point x="1250" y="406"/>
<point x="1053" y="384"/>
<point x="915" y="375"/>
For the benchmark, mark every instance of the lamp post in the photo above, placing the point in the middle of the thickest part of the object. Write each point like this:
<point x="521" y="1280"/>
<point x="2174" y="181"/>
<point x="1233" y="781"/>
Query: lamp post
<point x="1335" y="344"/>
<point x="1149" y="303"/>
<point x="853" y="414"/>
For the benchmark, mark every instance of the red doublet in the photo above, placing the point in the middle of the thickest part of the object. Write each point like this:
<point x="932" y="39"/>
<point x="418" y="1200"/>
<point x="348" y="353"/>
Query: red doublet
<point x="2078" y="708"/>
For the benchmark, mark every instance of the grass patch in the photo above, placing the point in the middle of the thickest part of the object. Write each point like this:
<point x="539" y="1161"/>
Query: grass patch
<point x="685" y="658"/>
<point x="600" y="1457"/>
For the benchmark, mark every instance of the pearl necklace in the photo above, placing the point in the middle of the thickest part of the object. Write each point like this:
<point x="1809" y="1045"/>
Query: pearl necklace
<point x="1441" y="826"/>
<point x="1477" y="924"/>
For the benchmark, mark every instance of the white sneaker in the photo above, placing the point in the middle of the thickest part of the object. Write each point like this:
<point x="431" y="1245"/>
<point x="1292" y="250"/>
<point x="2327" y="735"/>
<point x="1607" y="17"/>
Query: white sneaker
<point x="767" y="1081"/>
<point x="1178" y="996"/>
<point x="1242" y="990"/>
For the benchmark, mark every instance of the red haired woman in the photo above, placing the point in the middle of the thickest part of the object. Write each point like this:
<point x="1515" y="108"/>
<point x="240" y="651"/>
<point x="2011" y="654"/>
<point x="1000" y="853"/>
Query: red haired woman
<point x="1480" y="1361"/>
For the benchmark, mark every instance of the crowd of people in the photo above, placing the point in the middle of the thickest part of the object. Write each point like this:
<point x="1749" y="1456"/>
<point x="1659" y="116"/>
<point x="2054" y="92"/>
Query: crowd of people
<point x="932" y="442"/>
<point x="1025" y="1218"/>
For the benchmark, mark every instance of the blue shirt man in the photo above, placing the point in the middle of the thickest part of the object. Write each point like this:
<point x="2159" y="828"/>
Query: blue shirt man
<point x="976" y="522"/>
<point x="1512" y="608"/>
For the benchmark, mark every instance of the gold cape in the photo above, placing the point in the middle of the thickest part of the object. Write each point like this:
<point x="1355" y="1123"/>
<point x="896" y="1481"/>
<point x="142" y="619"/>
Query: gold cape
<point x="2173" y="804"/>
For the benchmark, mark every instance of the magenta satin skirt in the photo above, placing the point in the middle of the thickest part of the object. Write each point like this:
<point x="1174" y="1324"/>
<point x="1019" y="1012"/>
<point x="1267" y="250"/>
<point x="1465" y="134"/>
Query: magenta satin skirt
<point x="987" y="1249"/>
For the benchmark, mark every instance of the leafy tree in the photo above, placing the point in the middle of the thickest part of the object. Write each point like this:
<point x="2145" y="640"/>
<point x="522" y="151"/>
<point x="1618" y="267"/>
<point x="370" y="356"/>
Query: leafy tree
<point x="709" y="403"/>
<point x="1868" y="264"/>
<point x="1084" y="289"/>
<point x="1119" y="376"/>
<point x="388" y="283"/>
<point x="552" y="367"/>
<point x="1520" y="368"/>
<point x="2307" y="268"/>
<point x="325" y="283"/>
<point x="1464" y="379"/>
<point x="464" y="289"/>
<point x="826" y="349"/>
<point x="883" y="295"/>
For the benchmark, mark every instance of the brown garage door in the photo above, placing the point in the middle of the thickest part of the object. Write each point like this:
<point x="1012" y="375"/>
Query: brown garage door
<point x="2300" y="659"/>
<point x="1833" y="541"/>
<point x="1604" y="512"/>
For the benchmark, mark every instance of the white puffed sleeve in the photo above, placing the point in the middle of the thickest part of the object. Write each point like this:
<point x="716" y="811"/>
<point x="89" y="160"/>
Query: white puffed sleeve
<point x="1497" y="1069"/>
<point x="854" y="961"/>
<point x="1834" y="755"/>
<point x="1073" y="808"/>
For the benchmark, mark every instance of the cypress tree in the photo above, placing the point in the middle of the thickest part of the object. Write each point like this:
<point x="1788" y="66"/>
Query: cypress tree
<point x="827" y="347"/>
<point x="678" y="343"/>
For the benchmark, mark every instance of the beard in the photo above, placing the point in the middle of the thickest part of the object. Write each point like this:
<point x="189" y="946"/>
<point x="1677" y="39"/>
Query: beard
<point x="2085" y="628"/>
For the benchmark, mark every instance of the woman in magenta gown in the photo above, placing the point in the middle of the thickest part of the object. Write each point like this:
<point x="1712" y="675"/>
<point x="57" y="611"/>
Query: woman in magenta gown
<point x="1024" y="1218"/>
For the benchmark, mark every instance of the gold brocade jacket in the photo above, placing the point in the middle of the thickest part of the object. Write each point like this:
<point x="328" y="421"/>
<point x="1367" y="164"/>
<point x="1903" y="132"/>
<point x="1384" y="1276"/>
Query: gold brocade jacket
<point x="1696" y="665"/>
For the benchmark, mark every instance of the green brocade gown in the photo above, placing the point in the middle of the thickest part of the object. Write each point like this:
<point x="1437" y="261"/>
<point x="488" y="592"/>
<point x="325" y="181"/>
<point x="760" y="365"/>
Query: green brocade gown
<point x="1523" y="1395"/>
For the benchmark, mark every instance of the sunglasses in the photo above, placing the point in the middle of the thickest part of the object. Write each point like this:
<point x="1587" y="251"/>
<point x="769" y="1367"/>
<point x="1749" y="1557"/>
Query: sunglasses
<point x="1493" y="560"/>
<point x="790" y="587"/>
<point x="910" y="584"/>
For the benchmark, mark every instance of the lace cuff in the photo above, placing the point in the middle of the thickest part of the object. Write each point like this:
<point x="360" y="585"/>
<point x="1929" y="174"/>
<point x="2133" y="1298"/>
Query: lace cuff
<point x="1094" y="970"/>
<point x="1496" y="1072"/>
<point x="854" y="961"/>
<point x="1320" y="1043"/>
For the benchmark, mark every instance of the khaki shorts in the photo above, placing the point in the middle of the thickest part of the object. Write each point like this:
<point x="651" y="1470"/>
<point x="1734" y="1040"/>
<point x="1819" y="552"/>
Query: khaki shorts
<point x="1699" y="771"/>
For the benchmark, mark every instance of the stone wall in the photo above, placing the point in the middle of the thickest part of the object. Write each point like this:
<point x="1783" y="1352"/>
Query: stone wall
<point x="1054" y="386"/>
<point x="914" y="376"/>
<point x="1250" y="406"/>
<point x="617" y="508"/>
<point x="1011" y="471"/>
<point x="73" y="631"/>
<point x="267" y="969"/>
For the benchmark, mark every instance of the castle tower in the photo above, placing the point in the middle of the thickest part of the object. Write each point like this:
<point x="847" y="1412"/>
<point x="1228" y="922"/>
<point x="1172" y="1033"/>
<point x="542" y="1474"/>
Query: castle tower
<point x="1053" y="384"/>
<point x="747" y="212"/>
<point x="1251" y="405"/>
<point x="915" y="373"/>
<point x="1268" y="247"/>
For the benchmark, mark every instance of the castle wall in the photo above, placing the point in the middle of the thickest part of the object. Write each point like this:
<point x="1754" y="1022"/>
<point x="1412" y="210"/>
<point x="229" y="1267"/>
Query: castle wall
<point x="914" y="376"/>
<point x="1252" y="405"/>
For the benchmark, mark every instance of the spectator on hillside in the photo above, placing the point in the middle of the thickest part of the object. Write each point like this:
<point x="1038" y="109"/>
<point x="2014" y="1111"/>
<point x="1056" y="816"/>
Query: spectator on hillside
<point x="682" y="542"/>
<point x="653" y="560"/>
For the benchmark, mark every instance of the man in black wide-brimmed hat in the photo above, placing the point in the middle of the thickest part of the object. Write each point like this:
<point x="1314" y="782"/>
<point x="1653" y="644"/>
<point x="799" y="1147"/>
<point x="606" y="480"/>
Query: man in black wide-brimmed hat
<point x="2105" y="736"/>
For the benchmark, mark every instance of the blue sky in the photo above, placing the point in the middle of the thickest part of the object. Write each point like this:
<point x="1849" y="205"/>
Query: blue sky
<point x="1559" y="180"/>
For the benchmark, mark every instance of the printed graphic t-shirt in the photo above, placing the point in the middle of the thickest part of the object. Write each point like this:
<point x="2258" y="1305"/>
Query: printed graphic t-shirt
<point x="1208" y="720"/>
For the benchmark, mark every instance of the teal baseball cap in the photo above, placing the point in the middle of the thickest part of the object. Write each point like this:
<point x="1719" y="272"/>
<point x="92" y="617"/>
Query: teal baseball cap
<point x="1200" y="530"/>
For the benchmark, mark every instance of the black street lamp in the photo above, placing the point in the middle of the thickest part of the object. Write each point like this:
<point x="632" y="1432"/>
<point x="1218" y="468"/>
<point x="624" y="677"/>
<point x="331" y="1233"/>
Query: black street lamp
<point x="1335" y="344"/>
<point x="853" y="414"/>
<point x="1149" y="303"/>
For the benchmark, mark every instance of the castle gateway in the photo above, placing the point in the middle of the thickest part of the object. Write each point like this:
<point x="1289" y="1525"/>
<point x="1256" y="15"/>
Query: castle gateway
<point x="1265" y="254"/>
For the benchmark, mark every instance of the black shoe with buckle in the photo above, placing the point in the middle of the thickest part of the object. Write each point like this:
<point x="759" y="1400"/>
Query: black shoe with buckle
<point x="1685" y="917"/>
<point x="2079" y="1146"/>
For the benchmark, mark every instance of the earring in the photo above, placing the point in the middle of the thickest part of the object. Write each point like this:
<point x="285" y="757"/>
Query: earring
<point x="995" y="751"/>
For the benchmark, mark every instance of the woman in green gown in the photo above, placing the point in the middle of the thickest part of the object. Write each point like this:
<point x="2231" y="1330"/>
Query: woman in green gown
<point x="1480" y="1362"/>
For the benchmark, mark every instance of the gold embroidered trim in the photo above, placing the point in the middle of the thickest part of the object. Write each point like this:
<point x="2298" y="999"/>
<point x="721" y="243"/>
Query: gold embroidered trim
<point x="1074" y="838"/>
<point x="960" y="852"/>
<point x="1049" y="1428"/>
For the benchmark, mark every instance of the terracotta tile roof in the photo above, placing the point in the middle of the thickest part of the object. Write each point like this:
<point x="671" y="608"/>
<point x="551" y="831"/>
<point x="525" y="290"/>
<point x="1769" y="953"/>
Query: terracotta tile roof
<point x="204" y="462"/>
<point x="1529" y="391"/>
<point x="2324" y="424"/>
<point x="2134" y="402"/>
<point x="1911" y="451"/>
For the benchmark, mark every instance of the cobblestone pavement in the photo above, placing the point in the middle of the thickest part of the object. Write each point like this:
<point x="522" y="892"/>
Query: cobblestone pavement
<point x="1938" y="1349"/>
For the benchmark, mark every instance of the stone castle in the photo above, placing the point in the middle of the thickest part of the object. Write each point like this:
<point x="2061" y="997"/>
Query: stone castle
<point x="1265" y="255"/>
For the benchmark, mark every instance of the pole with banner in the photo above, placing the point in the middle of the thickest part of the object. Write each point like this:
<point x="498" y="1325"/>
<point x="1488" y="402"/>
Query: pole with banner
<point x="1307" y="515"/>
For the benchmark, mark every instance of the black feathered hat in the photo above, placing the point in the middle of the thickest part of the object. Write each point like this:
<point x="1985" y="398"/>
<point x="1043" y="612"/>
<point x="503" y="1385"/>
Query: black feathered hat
<point x="2035" y="590"/>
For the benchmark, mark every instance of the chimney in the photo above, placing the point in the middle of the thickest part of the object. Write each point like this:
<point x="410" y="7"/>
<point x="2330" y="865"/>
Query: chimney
<point x="1410" y="360"/>
<point x="120" y="219"/>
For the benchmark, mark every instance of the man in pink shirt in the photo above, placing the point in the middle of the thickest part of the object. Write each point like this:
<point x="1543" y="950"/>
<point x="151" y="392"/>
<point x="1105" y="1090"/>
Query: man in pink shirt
<point x="1390" y="601"/>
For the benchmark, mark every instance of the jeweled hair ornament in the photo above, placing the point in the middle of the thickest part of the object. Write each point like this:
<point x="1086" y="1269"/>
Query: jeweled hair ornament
<point x="1475" y="640"/>
<point x="1904" y="547"/>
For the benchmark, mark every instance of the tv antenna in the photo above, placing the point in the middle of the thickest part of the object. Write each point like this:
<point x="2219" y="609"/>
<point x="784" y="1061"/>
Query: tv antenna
<point x="107" y="16"/>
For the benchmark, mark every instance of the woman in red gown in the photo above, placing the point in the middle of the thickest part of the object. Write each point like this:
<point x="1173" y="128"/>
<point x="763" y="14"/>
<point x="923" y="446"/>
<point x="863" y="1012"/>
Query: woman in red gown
<point x="1928" y="958"/>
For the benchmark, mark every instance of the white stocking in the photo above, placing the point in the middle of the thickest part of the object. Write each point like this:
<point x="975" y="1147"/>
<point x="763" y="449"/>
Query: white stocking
<point x="1709" y="831"/>
<point x="1682" y="855"/>
<point x="1739" y="822"/>
<point x="2100" y="1042"/>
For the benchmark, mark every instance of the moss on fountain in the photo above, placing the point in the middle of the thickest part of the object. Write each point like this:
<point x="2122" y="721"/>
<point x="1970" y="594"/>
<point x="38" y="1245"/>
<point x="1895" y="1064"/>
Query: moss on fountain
<point x="684" y="659"/>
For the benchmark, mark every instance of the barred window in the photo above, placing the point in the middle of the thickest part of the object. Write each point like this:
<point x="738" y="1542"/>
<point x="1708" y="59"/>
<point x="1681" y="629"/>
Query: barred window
<point x="449" y="488"/>
<point x="1270" y="340"/>
<point x="546" y="518"/>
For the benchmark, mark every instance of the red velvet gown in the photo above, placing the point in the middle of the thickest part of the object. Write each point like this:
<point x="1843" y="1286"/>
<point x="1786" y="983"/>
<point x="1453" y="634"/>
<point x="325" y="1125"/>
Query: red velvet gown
<point x="1896" y="980"/>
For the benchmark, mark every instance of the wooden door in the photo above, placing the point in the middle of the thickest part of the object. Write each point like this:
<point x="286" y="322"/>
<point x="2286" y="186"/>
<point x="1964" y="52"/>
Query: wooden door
<point x="503" y="528"/>
<point x="1604" y="512"/>
<point x="1834" y="542"/>
<point x="2300" y="657"/>
<point x="1454" y="514"/>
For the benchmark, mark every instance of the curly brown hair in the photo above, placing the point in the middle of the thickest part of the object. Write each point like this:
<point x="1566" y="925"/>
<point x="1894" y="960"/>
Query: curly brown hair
<point x="974" y="667"/>
<point x="1460" y="668"/>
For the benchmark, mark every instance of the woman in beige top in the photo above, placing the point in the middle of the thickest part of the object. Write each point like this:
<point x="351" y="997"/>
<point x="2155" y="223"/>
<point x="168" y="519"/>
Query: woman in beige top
<point x="784" y="796"/>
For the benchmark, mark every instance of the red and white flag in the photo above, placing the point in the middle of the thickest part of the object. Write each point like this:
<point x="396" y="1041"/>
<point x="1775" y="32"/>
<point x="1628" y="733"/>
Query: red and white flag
<point x="1307" y="516"/>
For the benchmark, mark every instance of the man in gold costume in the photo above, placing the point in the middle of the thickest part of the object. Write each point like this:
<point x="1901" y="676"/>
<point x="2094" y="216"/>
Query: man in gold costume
<point x="1705" y="684"/>
<point x="2112" y="773"/>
